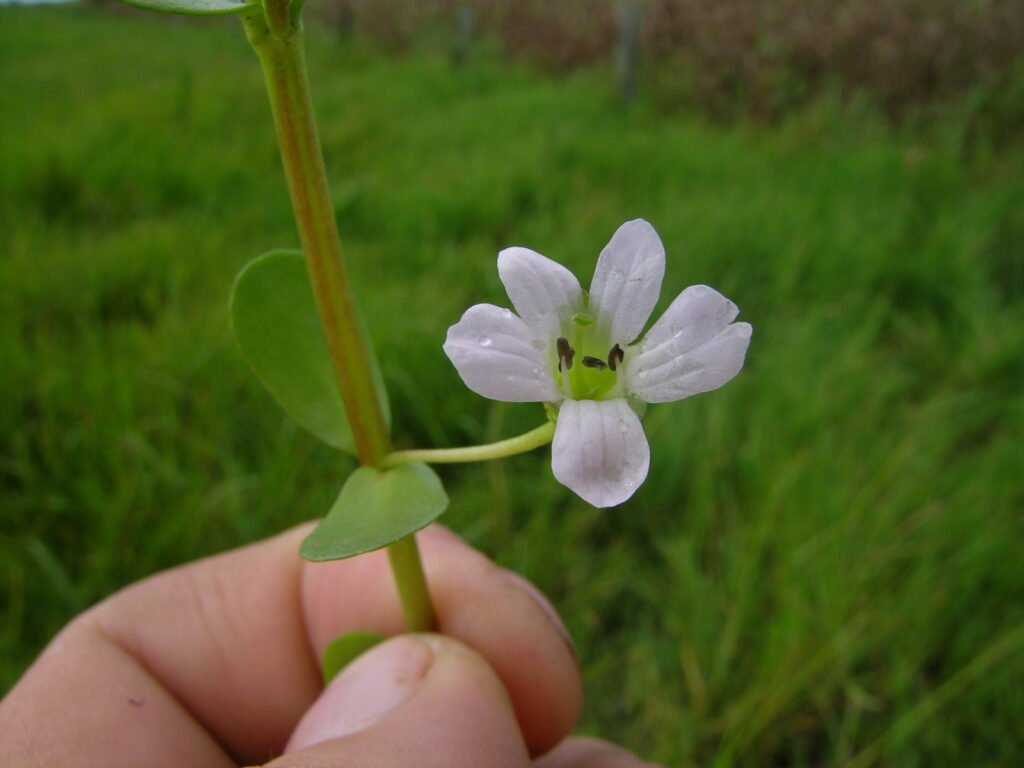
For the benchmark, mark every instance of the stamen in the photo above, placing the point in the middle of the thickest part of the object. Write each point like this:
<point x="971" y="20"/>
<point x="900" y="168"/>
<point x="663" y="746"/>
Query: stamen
<point x="593" y="362"/>
<point x="565" y="353"/>
<point x="615" y="357"/>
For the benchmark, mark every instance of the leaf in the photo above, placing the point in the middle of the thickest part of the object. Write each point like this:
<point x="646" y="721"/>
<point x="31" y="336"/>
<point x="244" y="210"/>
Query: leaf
<point x="376" y="508"/>
<point x="275" y="320"/>
<point x="194" y="7"/>
<point x="345" y="649"/>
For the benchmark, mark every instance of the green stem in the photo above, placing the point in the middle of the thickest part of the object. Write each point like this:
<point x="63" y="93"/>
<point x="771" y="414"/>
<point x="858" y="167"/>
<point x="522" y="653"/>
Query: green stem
<point x="417" y="606"/>
<point x="276" y="35"/>
<point x="282" y="53"/>
<point x="535" y="438"/>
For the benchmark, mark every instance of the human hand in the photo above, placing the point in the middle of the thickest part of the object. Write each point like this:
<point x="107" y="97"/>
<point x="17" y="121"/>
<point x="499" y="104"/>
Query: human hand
<point x="216" y="663"/>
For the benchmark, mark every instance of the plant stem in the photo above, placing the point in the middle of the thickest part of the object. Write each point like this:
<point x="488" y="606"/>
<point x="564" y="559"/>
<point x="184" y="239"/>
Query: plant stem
<point x="275" y="33"/>
<point x="535" y="438"/>
<point x="417" y="606"/>
<point x="282" y="54"/>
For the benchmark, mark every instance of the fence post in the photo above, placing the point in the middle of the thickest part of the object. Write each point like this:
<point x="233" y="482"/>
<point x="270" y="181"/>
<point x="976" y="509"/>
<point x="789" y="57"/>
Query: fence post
<point x="466" y="28"/>
<point x="627" y="24"/>
<point x="345" y="19"/>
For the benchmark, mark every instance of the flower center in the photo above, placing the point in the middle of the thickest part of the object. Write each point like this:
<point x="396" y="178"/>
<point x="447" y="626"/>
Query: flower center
<point x="587" y="367"/>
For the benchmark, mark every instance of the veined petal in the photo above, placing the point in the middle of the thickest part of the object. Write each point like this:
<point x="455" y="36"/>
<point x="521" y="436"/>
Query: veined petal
<point x="600" y="450"/>
<point x="672" y="370"/>
<point x="697" y="315"/>
<point x="498" y="356"/>
<point x="627" y="281"/>
<point x="545" y="294"/>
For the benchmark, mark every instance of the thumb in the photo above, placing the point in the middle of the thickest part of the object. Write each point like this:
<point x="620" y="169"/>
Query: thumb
<point x="417" y="700"/>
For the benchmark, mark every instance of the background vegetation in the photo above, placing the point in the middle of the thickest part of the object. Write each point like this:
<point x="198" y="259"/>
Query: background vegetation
<point x="825" y="565"/>
<point x="756" y="57"/>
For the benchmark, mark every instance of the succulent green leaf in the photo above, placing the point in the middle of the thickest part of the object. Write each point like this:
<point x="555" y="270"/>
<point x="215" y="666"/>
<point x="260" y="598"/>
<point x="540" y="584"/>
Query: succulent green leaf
<point x="376" y="508"/>
<point x="275" y="320"/>
<point x="194" y="7"/>
<point x="345" y="649"/>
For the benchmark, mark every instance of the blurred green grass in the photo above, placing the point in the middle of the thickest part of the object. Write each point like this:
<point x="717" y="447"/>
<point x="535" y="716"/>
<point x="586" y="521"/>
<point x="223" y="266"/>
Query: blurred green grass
<point x="824" y="567"/>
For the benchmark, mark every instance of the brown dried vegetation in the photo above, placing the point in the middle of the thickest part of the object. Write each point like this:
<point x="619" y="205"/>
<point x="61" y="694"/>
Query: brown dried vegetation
<point x="756" y="56"/>
<point x="771" y="52"/>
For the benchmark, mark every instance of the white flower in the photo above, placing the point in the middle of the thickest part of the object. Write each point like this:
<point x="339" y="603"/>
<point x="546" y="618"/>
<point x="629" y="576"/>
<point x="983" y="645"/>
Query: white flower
<point x="575" y="350"/>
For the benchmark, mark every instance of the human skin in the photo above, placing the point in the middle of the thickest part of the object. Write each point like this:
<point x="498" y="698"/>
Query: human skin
<point x="216" y="664"/>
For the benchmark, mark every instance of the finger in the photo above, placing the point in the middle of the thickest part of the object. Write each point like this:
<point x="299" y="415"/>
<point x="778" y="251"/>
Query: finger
<point x="417" y="700"/>
<point x="582" y="752"/>
<point x="496" y="612"/>
<point x="88" y="703"/>
<point x="236" y="640"/>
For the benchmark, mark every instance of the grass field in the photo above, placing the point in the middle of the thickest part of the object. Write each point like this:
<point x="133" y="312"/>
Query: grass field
<point x="826" y="566"/>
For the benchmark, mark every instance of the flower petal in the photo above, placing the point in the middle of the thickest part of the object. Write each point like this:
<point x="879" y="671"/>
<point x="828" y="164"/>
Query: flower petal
<point x="600" y="450"/>
<point x="545" y="294"/>
<point x="672" y="370"/>
<point x="627" y="281"/>
<point x="498" y="356"/>
<point x="698" y="314"/>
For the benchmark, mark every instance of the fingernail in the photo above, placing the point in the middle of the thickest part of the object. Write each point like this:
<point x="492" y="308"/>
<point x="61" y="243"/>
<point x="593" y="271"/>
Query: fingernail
<point x="545" y="605"/>
<point x="370" y="688"/>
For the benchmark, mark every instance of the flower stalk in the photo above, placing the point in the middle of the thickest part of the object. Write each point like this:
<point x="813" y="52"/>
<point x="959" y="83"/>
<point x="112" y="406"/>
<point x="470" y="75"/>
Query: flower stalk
<point x="275" y="33"/>
<point x="523" y="443"/>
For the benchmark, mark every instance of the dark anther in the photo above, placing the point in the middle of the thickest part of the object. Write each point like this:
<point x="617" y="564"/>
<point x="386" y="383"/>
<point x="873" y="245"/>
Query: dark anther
<point x="565" y="354"/>
<point x="593" y="362"/>
<point x="615" y="357"/>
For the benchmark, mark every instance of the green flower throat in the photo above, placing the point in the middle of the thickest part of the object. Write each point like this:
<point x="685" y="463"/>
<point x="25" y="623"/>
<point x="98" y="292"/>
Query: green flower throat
<point x="588" y="366"/>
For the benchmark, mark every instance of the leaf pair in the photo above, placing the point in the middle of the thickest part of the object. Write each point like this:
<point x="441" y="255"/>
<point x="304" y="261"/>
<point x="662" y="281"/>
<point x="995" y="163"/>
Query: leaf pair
<point x="275" y="320"/>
